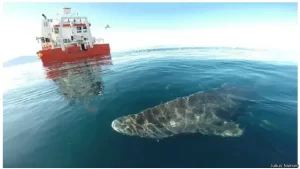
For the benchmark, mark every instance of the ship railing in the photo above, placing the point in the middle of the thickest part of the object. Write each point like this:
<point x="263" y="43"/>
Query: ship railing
<point x="99" y="40"/>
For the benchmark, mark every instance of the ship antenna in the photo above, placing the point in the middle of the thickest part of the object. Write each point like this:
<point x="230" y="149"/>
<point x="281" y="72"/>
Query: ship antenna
<point x="44" y="16"/>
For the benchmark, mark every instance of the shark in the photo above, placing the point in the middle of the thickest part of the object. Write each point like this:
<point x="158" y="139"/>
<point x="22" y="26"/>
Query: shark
<point x="211" y="112"/>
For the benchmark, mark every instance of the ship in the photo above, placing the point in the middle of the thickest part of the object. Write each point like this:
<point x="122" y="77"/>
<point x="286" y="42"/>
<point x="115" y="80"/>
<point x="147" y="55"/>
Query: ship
<point x="69" y="39"/>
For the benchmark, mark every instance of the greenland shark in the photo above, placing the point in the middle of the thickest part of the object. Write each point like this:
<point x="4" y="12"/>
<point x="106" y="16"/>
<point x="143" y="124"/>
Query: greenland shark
<point x="212" y="112"/>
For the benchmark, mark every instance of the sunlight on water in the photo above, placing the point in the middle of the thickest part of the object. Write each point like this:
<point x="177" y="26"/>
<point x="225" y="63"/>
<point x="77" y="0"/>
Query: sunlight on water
<point x="271" y="56"/>
<point x="22" y="76"/>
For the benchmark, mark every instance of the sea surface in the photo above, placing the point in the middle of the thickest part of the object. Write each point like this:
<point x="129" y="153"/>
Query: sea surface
<point x="60" y="115"/>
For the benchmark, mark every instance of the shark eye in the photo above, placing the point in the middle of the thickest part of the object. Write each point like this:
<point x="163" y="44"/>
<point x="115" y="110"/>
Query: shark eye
<point x="172" y="123"/>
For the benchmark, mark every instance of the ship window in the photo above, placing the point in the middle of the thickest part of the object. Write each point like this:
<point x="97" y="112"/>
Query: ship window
<point x="84" y="29"/>
<point x="67" y="40"/>
<point x="78" y="29"/>
<point x="56" y="30"/>
<point x="47" y="39"/>
<point x="43" y="40"/>
<point x="72" y="37"/>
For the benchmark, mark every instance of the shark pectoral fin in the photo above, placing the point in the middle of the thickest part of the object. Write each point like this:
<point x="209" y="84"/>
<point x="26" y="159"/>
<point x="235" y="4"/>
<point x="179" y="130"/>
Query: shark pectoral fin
<point x="232" y="129"/>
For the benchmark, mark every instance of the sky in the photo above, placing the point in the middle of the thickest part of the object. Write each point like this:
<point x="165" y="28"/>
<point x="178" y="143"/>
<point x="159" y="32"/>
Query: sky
<point x="138" y="25"/>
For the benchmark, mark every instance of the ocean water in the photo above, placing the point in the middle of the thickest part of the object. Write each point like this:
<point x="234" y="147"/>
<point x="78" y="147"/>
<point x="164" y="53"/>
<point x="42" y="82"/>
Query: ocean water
<point x="60" y="115"/>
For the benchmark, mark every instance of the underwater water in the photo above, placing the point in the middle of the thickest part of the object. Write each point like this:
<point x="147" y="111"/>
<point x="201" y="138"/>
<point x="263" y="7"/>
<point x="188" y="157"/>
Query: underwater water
<point x="61" y="115"/>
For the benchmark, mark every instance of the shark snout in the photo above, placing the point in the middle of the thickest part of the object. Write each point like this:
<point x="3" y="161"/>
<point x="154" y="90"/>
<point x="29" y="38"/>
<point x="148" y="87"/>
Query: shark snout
<point x="116" y="125"/>
<point x="123" y="125"/>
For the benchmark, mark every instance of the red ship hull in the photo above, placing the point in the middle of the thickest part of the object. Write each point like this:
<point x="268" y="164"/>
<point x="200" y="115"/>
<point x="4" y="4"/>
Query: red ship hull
<point x="55" y="71"/>
<point x="73" y="53"/>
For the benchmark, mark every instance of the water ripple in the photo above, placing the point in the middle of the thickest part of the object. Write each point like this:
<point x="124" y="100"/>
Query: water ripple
<point x="49" y="108"/>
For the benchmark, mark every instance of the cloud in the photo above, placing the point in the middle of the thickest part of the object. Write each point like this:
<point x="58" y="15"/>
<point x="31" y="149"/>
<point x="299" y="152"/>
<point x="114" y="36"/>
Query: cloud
<point x="255" y="37"/>
<point x="20" y="37"/>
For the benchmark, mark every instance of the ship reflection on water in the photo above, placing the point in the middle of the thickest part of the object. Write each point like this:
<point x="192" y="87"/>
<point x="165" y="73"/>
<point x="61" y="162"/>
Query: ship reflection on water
<point x="80" y="81"/>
